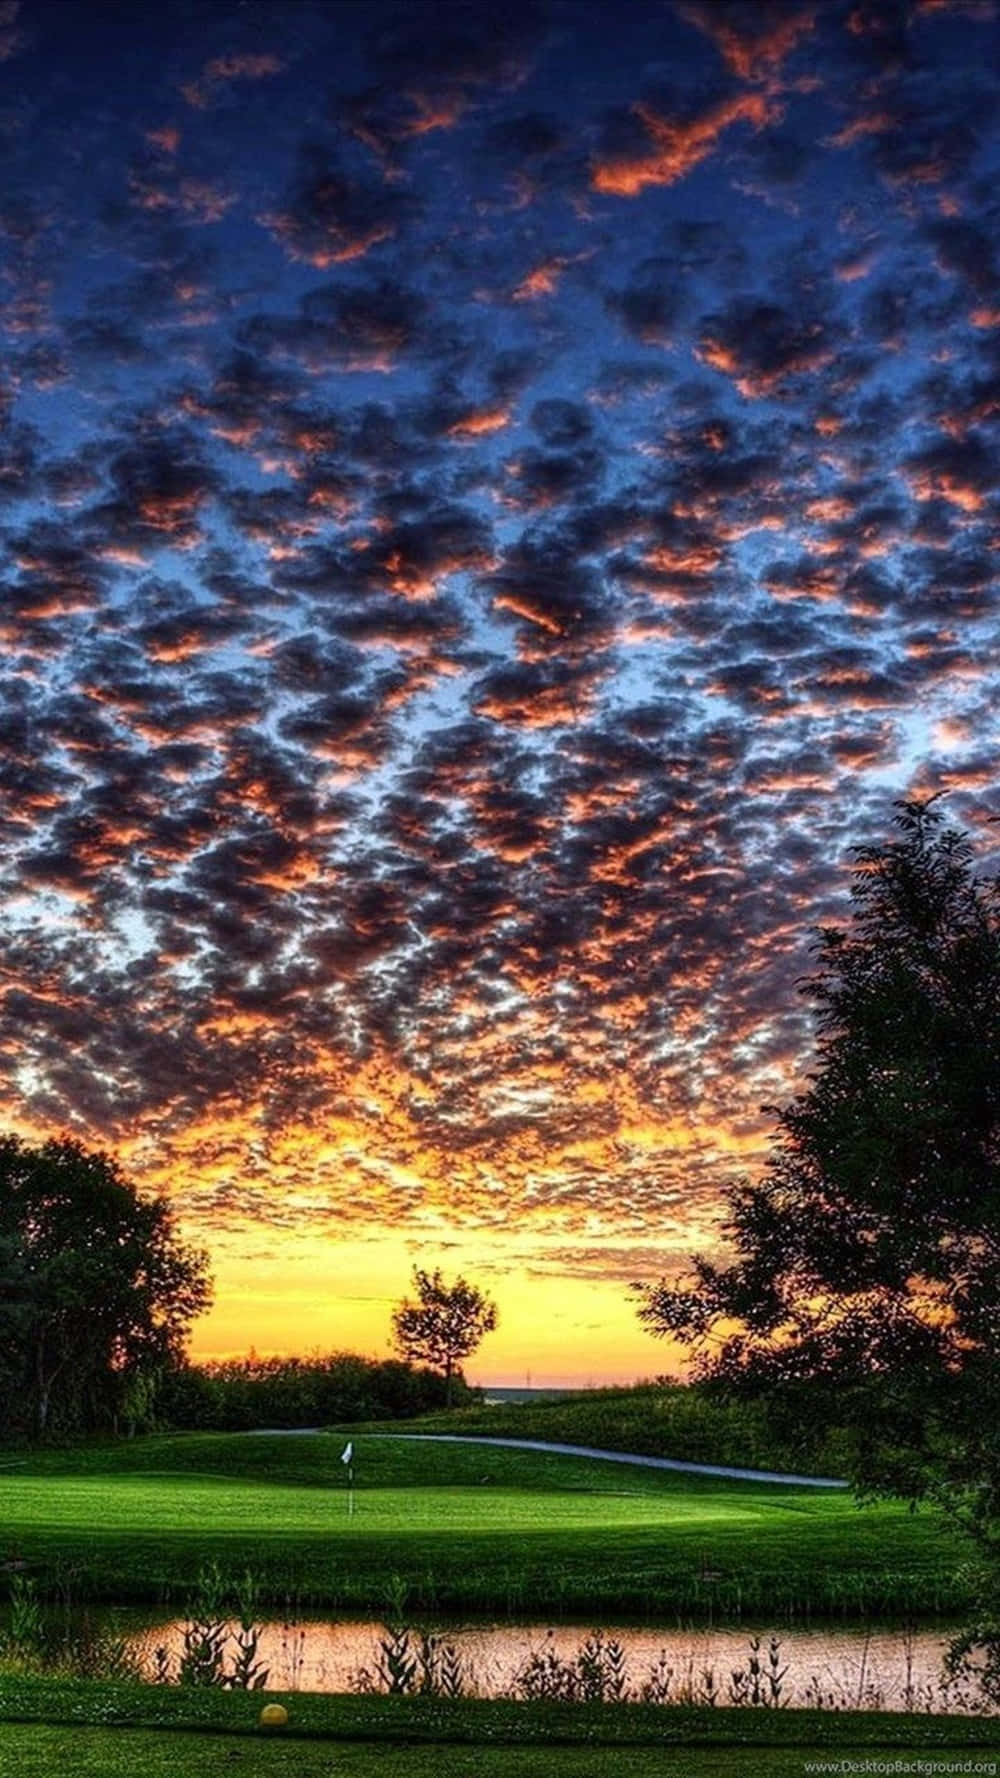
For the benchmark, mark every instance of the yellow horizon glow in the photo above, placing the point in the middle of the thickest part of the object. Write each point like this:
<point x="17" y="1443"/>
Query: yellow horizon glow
<point x="312" y="1232"/>
<point x="305" y="1296"/>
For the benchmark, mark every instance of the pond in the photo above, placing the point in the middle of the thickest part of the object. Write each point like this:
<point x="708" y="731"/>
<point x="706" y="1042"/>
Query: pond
<point x="833" y="1667"/>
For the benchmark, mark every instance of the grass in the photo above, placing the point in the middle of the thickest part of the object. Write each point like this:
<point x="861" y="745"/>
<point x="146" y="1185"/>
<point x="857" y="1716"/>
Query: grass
<point x="116" y="1730"/>
<point x="38" y="1750"/>
<point x="465" y="1529"/>
<point x="673" y="1420"/>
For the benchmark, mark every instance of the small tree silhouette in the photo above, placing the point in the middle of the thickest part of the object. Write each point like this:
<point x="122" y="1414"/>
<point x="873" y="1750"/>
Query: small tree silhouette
<point x="444" y="1325"/>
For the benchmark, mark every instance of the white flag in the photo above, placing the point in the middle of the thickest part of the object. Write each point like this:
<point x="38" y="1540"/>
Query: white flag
<point x="348" y="1452"/>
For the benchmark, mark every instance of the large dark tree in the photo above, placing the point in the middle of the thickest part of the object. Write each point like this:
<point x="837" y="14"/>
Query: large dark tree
<point x="444" y="1325"/>
<point x="864" y="1276"/>
<point x="96" y="1290"/>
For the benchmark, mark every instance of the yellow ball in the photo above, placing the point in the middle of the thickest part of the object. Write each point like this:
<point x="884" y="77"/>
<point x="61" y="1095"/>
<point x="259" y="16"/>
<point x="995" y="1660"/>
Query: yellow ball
<point x="273" y="1716"/>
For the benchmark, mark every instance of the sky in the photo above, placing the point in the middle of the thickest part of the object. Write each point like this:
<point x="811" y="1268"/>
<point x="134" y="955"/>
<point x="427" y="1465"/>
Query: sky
<point x="495" y="502"/>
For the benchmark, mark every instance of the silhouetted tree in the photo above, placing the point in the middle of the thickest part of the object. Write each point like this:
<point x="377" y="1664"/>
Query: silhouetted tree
<point x="444" y="1325"/>
<point x="865" y="1277"/>
<point x="96" y="1290"/>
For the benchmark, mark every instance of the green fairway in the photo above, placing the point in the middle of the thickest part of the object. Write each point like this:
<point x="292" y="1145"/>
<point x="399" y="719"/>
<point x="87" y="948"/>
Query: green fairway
<point x="464" y="1528"/>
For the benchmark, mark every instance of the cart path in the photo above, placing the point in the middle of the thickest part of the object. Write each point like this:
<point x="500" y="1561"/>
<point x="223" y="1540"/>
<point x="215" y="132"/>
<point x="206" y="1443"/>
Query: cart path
<point x="533" y="1444"/>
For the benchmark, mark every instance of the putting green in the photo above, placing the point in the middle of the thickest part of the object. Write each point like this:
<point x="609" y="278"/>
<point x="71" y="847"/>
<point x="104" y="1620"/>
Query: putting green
<point x="172" y="1504"/>
<point x="462" y="1528"/>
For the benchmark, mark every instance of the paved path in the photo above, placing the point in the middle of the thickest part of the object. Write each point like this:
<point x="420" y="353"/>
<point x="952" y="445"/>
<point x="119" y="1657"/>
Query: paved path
<point x="534" y="1444"/>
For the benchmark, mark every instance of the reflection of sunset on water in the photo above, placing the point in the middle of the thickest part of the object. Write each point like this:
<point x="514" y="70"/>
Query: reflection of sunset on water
<point x="494" y="510"/>
<point x="887" y="1668"/>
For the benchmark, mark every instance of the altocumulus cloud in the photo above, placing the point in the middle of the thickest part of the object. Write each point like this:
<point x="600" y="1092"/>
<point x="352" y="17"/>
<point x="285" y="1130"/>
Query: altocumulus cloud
<point x="491" y="510"/>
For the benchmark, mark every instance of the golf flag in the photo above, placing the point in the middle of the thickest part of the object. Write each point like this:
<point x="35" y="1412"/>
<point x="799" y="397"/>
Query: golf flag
<point x="347" y="1457"/>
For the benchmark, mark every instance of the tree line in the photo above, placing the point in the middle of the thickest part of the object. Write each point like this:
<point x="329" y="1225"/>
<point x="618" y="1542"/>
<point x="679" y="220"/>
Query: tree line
<point x="235" y="1395"/>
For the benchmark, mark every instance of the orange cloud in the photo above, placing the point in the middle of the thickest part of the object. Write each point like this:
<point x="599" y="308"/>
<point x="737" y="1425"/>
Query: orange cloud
<point x="755" y="384"/>
<point x="678" y="147"/>
<point x="873" y="123"/>
<point x="830" y="508"/>
<point x="947" y="485"/>
<point x="849" y="271"/>
<point x="758" y="56"/>
<point x="542" y="281"/>
<point x="166" y="139"/>
<point x="549" y="707"/>
<point x="194" y="198"/>
<point x="286" y="229"/>
<point x="700" y="558"/>
<point x="434" y="113"/>
<point x="225" y="69"/>
<point x="480" y="421"/>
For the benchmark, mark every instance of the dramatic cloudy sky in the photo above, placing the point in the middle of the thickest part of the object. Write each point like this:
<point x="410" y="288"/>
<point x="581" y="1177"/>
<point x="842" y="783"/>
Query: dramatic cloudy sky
<point x="495" y="500"/>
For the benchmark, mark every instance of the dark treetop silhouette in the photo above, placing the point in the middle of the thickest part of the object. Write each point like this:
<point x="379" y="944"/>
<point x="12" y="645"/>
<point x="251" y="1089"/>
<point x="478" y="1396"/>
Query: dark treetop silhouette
<point x="444" y="1325"/>
<point x="97" y="1290"/>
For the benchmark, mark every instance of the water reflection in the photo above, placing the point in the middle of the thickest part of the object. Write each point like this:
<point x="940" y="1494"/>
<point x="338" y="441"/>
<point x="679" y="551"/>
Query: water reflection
<point x="889" y="1669"/>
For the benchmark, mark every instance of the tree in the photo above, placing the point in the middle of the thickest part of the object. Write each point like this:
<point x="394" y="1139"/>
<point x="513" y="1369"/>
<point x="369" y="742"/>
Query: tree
<point x="867" y="1256"/>
<point x="96" y="1290"/>
<point x="444" y="1325"/>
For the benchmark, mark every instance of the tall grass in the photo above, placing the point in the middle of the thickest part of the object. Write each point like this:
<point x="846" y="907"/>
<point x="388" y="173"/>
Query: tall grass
<point x="410" y="1661"/>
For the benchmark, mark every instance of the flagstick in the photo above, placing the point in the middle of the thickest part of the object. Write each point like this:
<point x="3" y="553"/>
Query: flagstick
<point x="347" y="1456"/>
